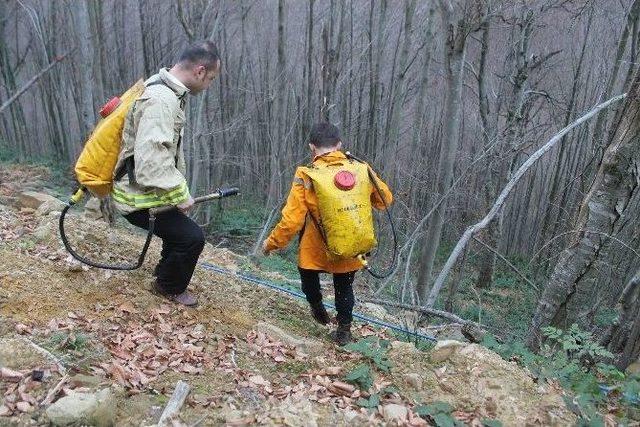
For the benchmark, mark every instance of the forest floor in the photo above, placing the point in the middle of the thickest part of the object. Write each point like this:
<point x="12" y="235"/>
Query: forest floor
<point x="250" y="355"/>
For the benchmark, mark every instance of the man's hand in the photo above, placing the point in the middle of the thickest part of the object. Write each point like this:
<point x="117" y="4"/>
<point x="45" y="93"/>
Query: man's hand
<point x="186" y="205"/>
<point x="265" y="248"/>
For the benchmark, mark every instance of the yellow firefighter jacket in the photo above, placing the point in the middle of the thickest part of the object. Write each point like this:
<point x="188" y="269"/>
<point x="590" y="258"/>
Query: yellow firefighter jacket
<point x="152" y="136"/>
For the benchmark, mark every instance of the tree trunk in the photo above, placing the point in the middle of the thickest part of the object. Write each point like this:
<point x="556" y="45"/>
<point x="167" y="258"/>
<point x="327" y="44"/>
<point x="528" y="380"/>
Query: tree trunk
<point x="400" y="92"/>
<point x="621" y="337"/>
<point x="607" y="207"/>
<point x="308" y="114"/>
<point x="486" y="259"/>
<point x="454" y="59"/>
<point x="556" y="198"/>
<point x="83" y="26"/>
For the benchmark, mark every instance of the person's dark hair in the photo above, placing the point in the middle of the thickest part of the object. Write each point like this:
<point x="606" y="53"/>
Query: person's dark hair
<point x="201" y="53"/>
<point x="324" y="135"/>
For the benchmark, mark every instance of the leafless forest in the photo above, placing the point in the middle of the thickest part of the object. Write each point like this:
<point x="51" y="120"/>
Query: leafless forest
<point x="447" y="99"/>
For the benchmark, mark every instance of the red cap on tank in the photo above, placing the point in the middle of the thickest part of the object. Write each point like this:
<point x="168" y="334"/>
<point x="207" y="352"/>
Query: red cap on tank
<point x="110" y="106"/>
<point x="344" y="180"/>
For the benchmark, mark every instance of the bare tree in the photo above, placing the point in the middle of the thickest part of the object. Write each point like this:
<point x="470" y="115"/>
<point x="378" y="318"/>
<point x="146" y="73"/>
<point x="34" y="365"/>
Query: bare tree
<point x="458" y="23"/>
<point x="83" y="27"/>
<point x="608" y="207"/>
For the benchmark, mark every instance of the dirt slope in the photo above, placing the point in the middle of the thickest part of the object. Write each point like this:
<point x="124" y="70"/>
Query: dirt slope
<point x="236" y="349"/>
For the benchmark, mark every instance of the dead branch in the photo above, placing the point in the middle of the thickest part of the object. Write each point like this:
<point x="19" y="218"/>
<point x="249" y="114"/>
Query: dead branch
<point x="34" y="79"/>
<point x="45" y="353"/>
<point x="474" y="229"/>
<point x="430" y="311"/>
<point x="175" y="403"/>
<point x="54" y="391"/>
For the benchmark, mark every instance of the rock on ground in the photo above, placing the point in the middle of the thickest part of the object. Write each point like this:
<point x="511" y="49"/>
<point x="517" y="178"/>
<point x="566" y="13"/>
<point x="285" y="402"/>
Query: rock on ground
<point x="444" y="350"/>
<point x="96" y="409"/>
<point x="308" y="346"/>
<point x="34" y="199"/>
<point x="393" y="412"/>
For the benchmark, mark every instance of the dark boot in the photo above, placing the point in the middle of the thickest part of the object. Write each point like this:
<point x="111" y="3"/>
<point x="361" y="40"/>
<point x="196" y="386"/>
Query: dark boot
<point x="184" y="298"/>
<point x="320" y="314"/>
<point x="342" y="335"/>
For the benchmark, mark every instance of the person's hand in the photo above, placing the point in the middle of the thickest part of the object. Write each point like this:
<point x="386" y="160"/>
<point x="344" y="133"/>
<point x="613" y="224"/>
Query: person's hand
<point x="186" y="205"/>
<point x="265" y="248"/>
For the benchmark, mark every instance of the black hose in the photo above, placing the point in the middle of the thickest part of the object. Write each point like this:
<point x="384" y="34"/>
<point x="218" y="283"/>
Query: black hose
<point x="87" y="261"/>
<point x="221" y="192"/>
<point x="387" y="273"/>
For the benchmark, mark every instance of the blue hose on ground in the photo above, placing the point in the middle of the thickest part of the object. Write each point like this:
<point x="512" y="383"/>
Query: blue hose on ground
<point x="267" y="284"/>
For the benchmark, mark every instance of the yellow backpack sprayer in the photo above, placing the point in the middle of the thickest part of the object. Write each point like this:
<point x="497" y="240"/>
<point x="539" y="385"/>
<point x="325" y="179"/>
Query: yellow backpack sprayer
<point x="95" y="169"/>
<point x="346" y="213"/>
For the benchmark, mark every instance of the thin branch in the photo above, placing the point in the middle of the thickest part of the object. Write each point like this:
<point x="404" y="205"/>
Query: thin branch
<point x="415" y="234"/>
<point x="472" y="230"/>
<point x="430" y="311"/>
<point x="54" y="391"/>
<point x="585" y="232"/>
<point x="34" y="79"/>
<point x="45" y="353"/>
<point x="183" y="21"/>
<point x="513" y="267"/>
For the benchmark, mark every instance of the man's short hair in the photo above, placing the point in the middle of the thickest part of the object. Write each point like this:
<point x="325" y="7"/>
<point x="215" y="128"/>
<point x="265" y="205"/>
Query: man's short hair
<point x="324" y="135"/>
<point x="201" y="53"/>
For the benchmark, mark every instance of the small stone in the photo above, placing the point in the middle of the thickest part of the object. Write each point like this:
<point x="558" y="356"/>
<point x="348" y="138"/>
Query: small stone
<point x="444" y="350"/>
<point x="37" y="375"/>
<point x="48" y="206"/>
<point x="80" y="380"/>
<point x="24" y="407"/>
<point x="92" y="208"/>
<point x="84" y="408"/>
<point x="414" y="380"/>
<point x="350" y="415"/>
<point x="450" y="332"/>
<point x="404" y="347"/>
<point x="633" y="368"/>
<point x="394" y="412"/>
<point x="308" y="346"/>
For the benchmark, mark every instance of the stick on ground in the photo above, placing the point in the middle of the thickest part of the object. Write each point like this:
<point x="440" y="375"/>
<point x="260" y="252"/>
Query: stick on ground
<point x="46" y="353"/>
<point x="54" y="391"/>
<point x="175" y="403"/>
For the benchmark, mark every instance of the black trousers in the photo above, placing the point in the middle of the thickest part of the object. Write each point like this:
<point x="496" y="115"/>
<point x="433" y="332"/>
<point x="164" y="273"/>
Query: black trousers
<point x="342" y="286"/>
<point x="182" y="244"/>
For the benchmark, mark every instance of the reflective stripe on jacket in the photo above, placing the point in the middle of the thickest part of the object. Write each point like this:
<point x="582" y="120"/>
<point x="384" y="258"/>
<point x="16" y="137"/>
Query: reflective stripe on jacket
<point x="301" y="201"/>
<point x="152" y="134"/>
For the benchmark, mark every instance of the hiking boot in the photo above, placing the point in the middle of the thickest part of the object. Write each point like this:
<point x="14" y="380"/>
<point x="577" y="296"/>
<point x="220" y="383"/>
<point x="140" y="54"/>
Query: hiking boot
<point x="320" y="314"/>
<point x="342" y="335"/>
<point x="184" y="298"/>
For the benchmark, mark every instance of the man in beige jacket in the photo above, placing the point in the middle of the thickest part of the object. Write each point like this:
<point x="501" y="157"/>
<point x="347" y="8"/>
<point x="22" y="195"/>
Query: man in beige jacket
<point x="151" y="168"/>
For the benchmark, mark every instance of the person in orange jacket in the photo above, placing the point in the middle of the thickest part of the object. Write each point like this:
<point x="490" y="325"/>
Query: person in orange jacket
<point x="302" y="202"/>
